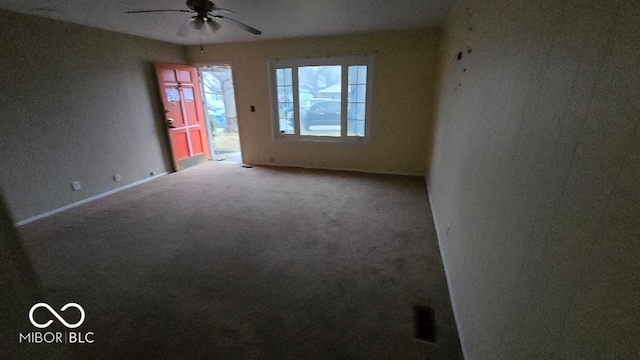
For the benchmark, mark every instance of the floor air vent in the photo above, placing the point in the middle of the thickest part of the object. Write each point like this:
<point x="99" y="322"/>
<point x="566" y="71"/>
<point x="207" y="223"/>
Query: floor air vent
<point x="425" y="324"/>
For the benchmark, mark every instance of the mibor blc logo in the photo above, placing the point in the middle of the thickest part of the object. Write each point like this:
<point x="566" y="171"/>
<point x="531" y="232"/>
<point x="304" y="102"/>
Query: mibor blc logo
<point x="57" y="337"/>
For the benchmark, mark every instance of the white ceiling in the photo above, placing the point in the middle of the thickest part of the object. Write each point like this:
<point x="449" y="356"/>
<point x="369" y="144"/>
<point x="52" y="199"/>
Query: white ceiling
<point x="275" y="18"/>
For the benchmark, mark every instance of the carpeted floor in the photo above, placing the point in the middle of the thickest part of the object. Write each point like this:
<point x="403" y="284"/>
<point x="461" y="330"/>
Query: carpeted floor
<point x="224" y="262"/>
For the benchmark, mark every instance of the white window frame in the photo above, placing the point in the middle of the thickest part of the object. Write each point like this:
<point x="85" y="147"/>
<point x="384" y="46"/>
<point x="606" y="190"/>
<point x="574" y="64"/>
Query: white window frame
<point x="345" y="61"/>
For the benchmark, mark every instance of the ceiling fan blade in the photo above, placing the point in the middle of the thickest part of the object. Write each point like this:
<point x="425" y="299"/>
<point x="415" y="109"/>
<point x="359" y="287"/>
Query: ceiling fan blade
<point x="217" y="9"/>
<point x="241" y="25"/>
<point x="186" y="28"/>
<point x="151" y="11"/>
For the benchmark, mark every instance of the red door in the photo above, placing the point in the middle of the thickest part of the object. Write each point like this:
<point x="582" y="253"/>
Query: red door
<point x="184" y="117"/>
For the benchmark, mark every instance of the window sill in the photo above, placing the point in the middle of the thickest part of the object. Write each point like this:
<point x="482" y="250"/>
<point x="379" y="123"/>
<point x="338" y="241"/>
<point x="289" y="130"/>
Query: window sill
<point x="322" y="139"/>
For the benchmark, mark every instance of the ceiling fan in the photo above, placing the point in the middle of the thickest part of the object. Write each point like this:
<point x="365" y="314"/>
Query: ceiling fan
<point x="206" y="16"/>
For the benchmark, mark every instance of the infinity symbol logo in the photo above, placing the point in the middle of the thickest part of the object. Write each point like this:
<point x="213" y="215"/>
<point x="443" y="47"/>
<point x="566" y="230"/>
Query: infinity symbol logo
<point x="54" y="313"/>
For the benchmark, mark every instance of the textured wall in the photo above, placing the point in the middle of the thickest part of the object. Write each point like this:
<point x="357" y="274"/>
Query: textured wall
<point x="535" y="178"/>
<point x="76" y="104"/>
<point x="405" y="70"/>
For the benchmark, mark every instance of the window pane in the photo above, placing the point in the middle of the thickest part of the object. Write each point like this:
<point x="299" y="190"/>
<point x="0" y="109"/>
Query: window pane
<point x="285" y="100"/>
<point x="319" y="90"/>
<point x="358" y="74"/>
<point x="355" y="120"/>
<point x="358" y="93"/>
<point x="360" y="111"/>
<point x="284" y="76"/>
<point x="357" y="98"/>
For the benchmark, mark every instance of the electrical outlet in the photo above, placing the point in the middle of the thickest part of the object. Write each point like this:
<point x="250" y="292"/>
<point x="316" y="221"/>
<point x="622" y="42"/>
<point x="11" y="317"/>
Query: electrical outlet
<point x="76" y="185"/>
<point x="271" y="159"/>
<point x="117" y="177"/>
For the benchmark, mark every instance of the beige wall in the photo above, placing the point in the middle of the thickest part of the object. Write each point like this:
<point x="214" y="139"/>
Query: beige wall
<point x="535" y="178"/>
<point x="76" y="104"/>
<point x="405" y="70"/>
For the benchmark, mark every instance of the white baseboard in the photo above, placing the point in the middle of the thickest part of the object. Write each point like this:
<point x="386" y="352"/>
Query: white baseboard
<point x="96" y="197"/>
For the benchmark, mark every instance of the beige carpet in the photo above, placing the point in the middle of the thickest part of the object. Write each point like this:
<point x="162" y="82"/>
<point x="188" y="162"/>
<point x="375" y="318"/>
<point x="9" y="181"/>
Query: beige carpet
<point x="225" y="262"/>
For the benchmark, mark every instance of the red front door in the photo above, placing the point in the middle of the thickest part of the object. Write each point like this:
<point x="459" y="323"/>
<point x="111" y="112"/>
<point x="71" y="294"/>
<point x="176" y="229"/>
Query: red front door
<point x="184" y="117"/>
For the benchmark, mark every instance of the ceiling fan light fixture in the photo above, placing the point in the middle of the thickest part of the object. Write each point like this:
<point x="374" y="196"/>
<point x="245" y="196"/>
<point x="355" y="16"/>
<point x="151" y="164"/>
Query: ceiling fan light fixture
<point x="198" y="24"/>
<point x="213" y="25"/>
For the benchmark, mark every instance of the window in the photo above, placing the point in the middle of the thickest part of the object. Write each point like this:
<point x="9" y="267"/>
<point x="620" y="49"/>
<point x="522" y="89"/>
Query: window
<point x="323" y="99"/>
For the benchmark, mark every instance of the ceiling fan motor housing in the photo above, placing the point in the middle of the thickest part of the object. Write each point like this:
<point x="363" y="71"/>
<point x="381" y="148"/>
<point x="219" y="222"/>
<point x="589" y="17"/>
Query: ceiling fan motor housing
<point x="202" y="7"/>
